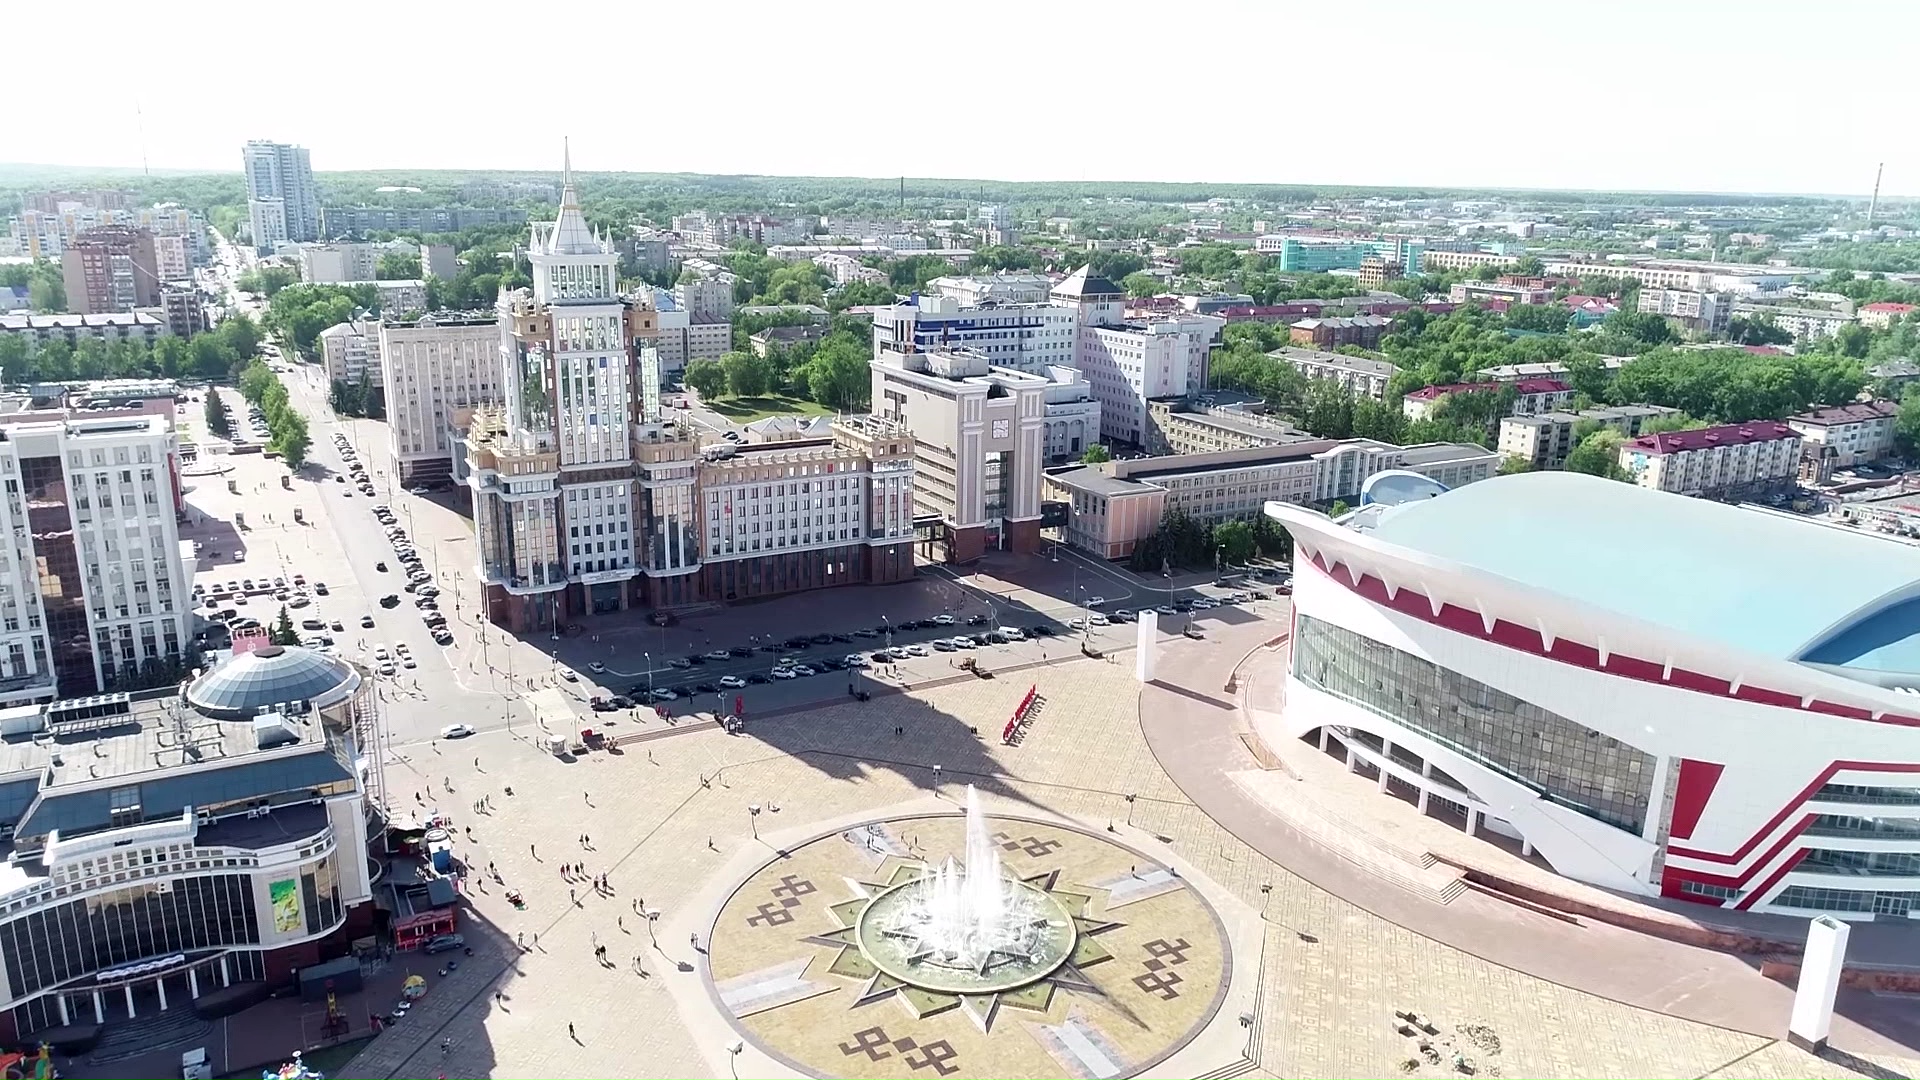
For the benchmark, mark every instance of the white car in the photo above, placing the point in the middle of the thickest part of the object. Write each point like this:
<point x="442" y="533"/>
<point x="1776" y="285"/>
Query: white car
<point x="942" y="619"/>
<point x="409" y="662"/>
<point x="386" y="667"/>
<point x="380" y="652"/>
<point x="1099" y="620"/>
<point x="1014" y="633"/>
<point x="596" y="667"/>
<point x="664" y="694"/>
<point x="456" y="731"/>
<point x="783" y="673"/>
<point x="1096" y="601"/>
<point x="567" y="674"/>
<point x="732" y="682"/>
<point x="719" y="654"/>
<point x="803" y="670"/>
<point x="856" y="660"/>
<point x="918" y="650"/>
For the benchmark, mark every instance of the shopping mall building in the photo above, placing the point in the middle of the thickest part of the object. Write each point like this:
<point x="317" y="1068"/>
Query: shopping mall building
<point x="156" y="851"/>
<point x="1654" y="694"/>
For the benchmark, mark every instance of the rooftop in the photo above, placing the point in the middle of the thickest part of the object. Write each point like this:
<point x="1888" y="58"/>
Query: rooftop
<point x="1084" y="283"/>
<point x="1851" y="413"/>
<point x="1363" y="364"/>
<point x="1707" y="438"/>
<point x="1095" y="481"/>
<point x="1522" y="386"/>
<point x="1679" y="565"/>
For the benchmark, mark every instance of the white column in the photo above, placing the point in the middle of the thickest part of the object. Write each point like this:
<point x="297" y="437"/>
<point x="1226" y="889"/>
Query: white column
<point x="1526" y="848"/>
<point x="1145" y="642"/>
<point x="129" y="989"/>
<point x="1820" y="968"/>
<point x="61" y="1001"/>
<point x="226" y="973"/>
<point x="1324" y="736"/>
<point x="1384" y="775"/>
<point x="1650" y="829"/>
<point x="160" y="984"/>
<point x="193" y="982"/>
<point x="1473" y="821"/>
<point x="99" y="1008"/>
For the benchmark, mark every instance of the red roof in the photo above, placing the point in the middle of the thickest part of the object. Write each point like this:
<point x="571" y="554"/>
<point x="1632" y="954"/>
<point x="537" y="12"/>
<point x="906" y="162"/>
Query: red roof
<point x="1672" y="442"/>
<point x="1888" y="306"/>
<point x="1852" y="413"/>
<point x="1765" y="350"/>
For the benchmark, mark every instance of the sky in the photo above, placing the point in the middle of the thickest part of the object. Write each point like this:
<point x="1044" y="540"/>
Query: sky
<point x="1693" y="95"/>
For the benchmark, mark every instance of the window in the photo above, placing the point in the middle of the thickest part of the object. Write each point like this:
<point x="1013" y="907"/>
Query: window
<point x="1571" y="764"/>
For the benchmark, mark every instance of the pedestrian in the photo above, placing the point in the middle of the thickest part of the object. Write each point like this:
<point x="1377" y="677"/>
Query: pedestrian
<point x="520" y="939"/>
<point x="571" y="896"/>
<point x="694" y="940"/>
<point x="532" y="852"/>
<point x="570" y="1033"/>
<point x="636" y="905"/>
<point x="620" y="923"/>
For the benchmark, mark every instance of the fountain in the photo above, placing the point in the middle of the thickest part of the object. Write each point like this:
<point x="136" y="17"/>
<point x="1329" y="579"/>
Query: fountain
<point x="967" y="928"/>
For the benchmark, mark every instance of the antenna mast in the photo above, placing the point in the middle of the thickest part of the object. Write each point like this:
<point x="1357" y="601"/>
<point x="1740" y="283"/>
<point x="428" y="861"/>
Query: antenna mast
<point x="1874" y="204"/>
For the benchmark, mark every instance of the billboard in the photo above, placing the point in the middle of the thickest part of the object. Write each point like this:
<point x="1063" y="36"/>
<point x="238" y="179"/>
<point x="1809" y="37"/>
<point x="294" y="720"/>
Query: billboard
<point x="285" y="898"/>
<point x="1053" y="515"/>
<point x="649" y="384"/>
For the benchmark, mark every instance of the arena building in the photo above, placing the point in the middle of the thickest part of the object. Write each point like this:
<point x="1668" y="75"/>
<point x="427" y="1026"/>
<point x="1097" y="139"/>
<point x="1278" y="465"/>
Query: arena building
<point x="1654" y="694"/>
<point x="159" y="850"/>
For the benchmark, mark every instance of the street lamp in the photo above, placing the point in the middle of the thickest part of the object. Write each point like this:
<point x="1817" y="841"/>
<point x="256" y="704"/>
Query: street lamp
<point x="648" y="657"/>
<point x="753" y="819"/>
<point x="888" y="623"/>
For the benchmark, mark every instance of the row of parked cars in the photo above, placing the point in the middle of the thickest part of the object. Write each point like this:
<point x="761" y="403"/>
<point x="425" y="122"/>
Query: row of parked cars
<point x="426" y="595"/>
<point x="356" y="471"/>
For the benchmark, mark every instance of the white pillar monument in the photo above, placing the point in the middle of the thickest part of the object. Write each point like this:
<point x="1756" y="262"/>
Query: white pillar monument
<point x="1819" y="981"/>
<point x="1146" y="641"/>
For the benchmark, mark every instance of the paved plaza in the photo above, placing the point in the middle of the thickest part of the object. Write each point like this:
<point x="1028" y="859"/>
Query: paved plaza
<point x="663" y="817"/>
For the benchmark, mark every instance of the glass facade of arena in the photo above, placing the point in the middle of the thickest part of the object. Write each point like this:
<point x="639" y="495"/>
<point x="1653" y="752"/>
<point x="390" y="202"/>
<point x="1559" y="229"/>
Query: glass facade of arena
<point x="1563" y="761"/>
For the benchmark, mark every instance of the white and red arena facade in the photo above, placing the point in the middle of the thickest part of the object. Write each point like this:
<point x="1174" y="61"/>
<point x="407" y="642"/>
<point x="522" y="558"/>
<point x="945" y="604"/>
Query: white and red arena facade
<point x="1655" y="694"/>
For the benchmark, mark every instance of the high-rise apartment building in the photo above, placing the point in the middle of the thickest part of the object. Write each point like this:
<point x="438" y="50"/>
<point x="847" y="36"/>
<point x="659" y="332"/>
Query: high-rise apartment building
<point x="281" y="200"/>
<point x="94" y="586"/>
<point x="112" y="268"/>
<point x="432" y="366"/>
<point x="1024" y="337"/>
<point x="705" y="300"/>
<point x="1127" y="362"/>
<point x="338" y="262"/>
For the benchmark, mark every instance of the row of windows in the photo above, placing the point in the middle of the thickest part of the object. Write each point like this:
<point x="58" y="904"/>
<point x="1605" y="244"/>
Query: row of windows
<point x="1867" y="793"/>
<point x="1564" y="761"/>
<point x="1864" y="863"/>
<point x="1818" y="899"/>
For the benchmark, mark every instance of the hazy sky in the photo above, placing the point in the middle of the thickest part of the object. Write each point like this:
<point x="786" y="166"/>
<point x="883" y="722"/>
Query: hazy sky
<point x="1734" y="95"/>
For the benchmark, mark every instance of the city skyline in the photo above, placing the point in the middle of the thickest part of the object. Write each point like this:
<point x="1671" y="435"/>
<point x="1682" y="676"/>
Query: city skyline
<point x="1562" y="101"/>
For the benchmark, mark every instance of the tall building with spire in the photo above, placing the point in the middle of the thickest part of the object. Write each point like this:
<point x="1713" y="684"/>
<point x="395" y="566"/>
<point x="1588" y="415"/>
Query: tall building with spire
<point x="582" y="495"/>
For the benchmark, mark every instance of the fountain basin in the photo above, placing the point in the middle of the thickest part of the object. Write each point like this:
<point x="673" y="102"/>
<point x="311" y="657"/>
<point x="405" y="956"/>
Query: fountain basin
<point x="1039" y="937"/>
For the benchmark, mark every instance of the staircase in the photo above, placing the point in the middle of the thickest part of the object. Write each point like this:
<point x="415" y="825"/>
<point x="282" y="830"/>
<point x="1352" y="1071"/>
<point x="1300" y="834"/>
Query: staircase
<point x="124" y="1040"/>
<point x="1418" y="872"/>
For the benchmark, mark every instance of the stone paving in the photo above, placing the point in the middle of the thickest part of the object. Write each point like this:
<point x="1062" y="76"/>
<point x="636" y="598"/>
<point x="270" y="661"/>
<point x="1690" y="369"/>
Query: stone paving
<point x="663" y="817"/>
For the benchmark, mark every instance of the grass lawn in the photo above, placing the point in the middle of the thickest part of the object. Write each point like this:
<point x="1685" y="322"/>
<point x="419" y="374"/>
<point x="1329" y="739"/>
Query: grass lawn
<point x="747" y="409"/>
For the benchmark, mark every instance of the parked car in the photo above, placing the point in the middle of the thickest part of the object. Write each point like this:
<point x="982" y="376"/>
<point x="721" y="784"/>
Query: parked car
<point x="445" y="943"/>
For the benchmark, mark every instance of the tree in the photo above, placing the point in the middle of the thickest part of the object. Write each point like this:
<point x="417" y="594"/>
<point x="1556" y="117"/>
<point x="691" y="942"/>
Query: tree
<point x="1141" y="285"/>
<point x="16" y="358"/>
<point x="1906" y="425"/>
<point x="1529" y="266"/>
<point x="1234" y="541"/>
<point x="398" y="266"/>
<point x="747" y="375"/>
<point x="282" y="631"/>
<point x="1514" y="463"/>
<point x="707" y="378"/>
<point x="1757" y="330"/>
<point x="290" y="439"/>
<point x="839" y="374"/>
<point x="1338" y="509"/>
<point x="1544" y="318"/>
<point x="1598" y="455"/>
<point x="217" y="422"/>
<point x="241" y="334"/>
<point x="860" y="294"/>
<point x="1096" y="453"/>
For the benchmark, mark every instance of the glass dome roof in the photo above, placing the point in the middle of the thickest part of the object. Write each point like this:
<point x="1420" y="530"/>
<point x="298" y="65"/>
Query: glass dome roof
<point x="275" y="675"/>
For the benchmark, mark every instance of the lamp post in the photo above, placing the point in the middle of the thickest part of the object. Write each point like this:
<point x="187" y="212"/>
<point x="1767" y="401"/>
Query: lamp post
<point x="648" y="657"/>
<point x="888" y="623"/>
<point x="753" y="819"/>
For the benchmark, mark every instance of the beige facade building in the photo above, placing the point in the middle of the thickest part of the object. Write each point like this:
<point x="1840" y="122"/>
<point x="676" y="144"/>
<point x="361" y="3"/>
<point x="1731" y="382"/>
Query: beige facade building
<point x="808" y="513"/>
<point x="337" y="263"/>
<point x="1699" y="312"/>
<point x="980" y="444"/>
<point x="1544" y="441"/>
<point x="1652" y="276"/>
<point x="1858" y="432"/>
<point x="1115" y="505"/>
<point x="1363" y="377"/>
<point x="1729" y="461"/>
<point x="432" y="366"/>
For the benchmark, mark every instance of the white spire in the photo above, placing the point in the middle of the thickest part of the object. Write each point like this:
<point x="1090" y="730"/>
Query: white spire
<point x="566" y="162"/>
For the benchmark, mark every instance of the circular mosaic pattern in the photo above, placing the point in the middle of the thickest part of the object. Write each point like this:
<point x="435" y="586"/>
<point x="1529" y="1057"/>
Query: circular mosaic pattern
<point x="1143" y="960"/>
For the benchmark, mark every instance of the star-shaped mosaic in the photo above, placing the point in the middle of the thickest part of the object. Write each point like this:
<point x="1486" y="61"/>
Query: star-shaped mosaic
<point x="850" y="962"/>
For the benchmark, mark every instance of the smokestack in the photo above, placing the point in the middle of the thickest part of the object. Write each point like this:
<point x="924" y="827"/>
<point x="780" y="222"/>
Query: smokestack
<point x="1874" y="203"/>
